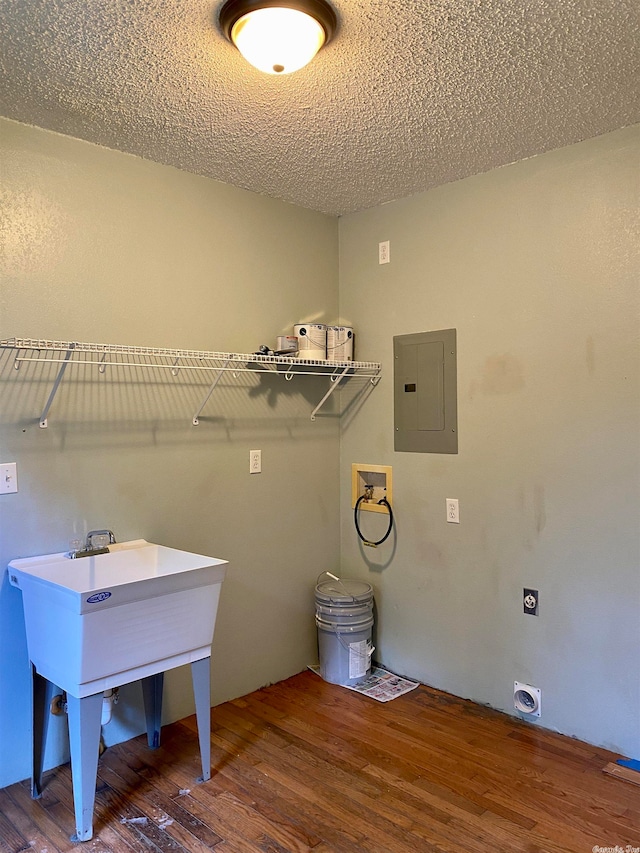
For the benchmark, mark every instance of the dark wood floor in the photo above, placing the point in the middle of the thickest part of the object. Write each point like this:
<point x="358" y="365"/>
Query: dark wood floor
<point x="304" y="765"/>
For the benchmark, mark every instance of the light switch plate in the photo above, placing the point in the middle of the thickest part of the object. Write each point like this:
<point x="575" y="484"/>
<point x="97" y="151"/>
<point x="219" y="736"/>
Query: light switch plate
<point x="8" y="478"/>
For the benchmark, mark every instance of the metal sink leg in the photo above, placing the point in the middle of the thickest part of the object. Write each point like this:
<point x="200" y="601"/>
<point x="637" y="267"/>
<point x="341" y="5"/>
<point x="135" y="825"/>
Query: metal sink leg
<point x="201" y="677"/>
<point x="39" y="722"/>
<point x="84" y="739"/>
<point x="152" y="695"/>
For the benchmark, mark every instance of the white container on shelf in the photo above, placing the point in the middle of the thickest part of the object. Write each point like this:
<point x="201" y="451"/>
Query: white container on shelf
<point x="287" y="344"/>
<point x="339" y="343"/>
<point x="312" y="341"/>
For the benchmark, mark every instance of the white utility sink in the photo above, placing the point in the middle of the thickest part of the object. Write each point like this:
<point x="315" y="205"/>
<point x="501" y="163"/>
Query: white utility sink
<point x="99" y="622"/>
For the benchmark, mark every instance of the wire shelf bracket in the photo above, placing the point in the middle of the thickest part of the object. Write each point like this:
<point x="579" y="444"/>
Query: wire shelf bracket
<point x="195" y="420"/>
<point x="65" y="363"/>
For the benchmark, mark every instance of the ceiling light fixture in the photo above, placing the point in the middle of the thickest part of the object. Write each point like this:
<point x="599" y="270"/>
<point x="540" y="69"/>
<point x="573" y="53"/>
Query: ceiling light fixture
<point x="278" y="36"/>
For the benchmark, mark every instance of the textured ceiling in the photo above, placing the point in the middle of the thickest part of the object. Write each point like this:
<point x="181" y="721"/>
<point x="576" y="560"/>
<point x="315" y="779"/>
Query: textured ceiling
<point x="410" y="94"/>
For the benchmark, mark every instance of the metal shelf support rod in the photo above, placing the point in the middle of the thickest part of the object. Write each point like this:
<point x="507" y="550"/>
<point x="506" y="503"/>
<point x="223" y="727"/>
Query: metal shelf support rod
<point x="335" y="381"/>
<point x="63" y="367"/>
<point x="195" y="420"/>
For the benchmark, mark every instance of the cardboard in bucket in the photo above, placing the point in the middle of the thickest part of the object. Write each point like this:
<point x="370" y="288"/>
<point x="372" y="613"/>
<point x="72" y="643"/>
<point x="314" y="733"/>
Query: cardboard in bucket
<point x="380" y="684"/>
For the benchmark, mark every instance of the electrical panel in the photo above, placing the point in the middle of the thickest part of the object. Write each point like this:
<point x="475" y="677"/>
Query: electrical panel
<point x="425" y="392"/>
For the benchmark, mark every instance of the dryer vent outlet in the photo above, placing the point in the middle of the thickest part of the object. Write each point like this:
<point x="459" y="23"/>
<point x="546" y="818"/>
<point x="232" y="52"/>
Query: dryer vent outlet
<point x="527" y="699"/>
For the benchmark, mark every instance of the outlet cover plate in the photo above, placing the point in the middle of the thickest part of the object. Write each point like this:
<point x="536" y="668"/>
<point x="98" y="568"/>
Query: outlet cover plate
<point x="453" y="510"/>
<point x="530" y="601"/>
<point x="255" y="462"/>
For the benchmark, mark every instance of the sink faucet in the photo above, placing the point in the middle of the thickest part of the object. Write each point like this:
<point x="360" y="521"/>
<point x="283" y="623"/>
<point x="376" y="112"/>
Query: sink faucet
<point x="89" y="543"/>
<point x="91" y="550"/>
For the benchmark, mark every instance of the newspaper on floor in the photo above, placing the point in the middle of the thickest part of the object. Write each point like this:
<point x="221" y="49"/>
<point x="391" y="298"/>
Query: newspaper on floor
<point x="381" y="685"/>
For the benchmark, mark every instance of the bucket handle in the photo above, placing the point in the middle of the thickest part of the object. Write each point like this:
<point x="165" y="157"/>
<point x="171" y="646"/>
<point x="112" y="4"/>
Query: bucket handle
<point x="345" y="594"/>
<point x="370" y="649"/>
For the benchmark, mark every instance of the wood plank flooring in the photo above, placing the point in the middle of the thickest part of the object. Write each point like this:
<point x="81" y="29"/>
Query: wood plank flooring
<point x="304" y="765"/>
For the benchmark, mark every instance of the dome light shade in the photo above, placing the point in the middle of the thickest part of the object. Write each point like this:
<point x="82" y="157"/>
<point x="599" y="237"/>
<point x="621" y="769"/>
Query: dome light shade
<point x="277" y="41"/>
<point x="278" y="36"/>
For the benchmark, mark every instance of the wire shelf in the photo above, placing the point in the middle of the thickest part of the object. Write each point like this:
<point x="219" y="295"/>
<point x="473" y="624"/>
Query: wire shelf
<point x="70" y="353"/>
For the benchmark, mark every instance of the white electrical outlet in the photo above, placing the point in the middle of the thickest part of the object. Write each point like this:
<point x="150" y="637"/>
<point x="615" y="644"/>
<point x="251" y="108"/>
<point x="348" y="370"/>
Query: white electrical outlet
<point x="255" y="461"/>
<point x="384" y="252"/>
<point x="8" y="478"/>
<point x="453" y="510"/>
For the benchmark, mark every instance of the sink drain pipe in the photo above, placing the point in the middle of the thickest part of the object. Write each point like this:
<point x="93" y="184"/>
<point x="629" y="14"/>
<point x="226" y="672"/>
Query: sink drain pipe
<point x="58" y="704"/>
<point x="109" y="699"/>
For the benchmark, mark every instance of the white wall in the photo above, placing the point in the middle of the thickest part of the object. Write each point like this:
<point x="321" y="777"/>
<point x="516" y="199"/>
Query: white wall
<point x="100" y="246"/>
<point x="536" y="266"/>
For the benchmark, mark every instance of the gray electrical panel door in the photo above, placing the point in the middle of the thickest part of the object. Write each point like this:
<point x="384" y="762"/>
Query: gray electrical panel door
<point x="425" y="392"/>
